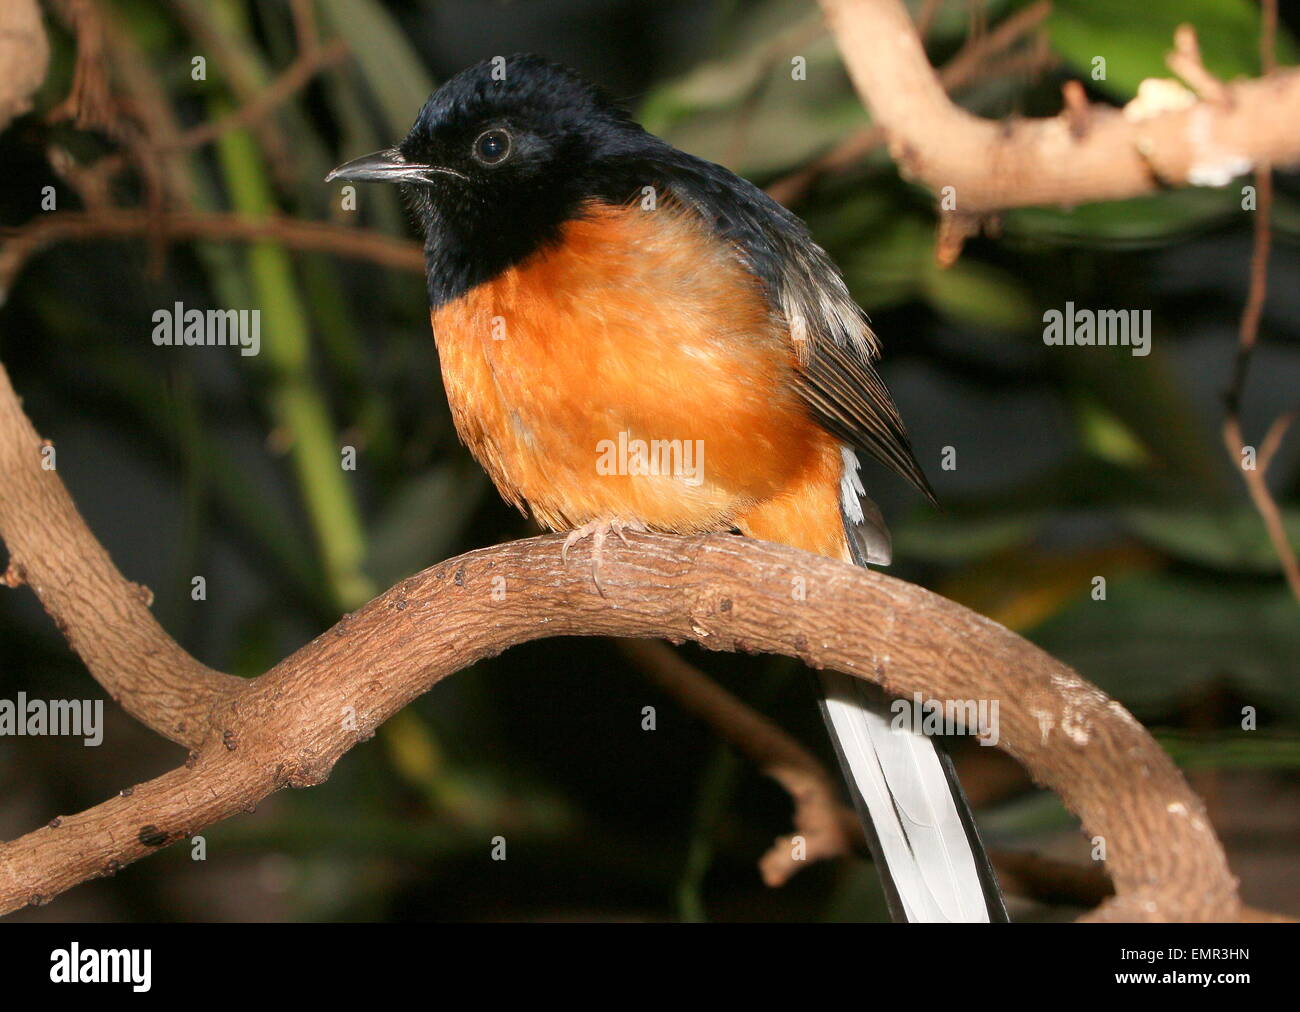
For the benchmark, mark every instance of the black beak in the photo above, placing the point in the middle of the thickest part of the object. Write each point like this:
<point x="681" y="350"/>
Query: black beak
<point x="388" y="167"/>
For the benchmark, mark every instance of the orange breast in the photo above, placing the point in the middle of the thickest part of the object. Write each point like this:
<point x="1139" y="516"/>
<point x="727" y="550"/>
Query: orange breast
<point x="634" y="370"/>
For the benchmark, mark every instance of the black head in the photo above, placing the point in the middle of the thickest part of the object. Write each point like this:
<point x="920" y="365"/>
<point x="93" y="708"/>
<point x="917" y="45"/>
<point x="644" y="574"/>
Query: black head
<point x="499" y="158"/>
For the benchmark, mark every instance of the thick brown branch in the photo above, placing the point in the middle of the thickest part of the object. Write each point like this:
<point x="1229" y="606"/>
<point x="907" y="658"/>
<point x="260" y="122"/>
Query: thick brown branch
<point x="24" y="57"/>
<point x="105" y="618"/>
<point x="977" y="59"/>
<point x="291" y="725"/>
<point x="1048" y="161"/>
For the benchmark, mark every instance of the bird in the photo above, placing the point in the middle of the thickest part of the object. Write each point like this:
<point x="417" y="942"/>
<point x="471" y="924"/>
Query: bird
<point x="634" y="338"/>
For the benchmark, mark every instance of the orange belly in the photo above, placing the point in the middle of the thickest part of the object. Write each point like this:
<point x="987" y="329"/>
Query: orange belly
<point x="634" y="370"/>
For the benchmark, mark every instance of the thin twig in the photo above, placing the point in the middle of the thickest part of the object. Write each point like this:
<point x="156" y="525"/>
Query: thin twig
<point x="827" y="826"/>
<point x="1185" y="61"/>
<point x="20" y="244"/>
<point x="241" y="73"/>
<point x="1255" y="474"/>
<point x="295" y="77"/>
<point x="1265" y="504"/>
<point x="304" y="25"/>
<point x="1268" y="446"/>
<point x="89" y="103"/>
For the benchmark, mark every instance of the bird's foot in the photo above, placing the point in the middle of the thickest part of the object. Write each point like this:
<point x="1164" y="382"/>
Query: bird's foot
<point x="599" y="531"/>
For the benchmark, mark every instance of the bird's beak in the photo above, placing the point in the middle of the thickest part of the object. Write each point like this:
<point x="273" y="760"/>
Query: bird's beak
<point x="386" y="167"/>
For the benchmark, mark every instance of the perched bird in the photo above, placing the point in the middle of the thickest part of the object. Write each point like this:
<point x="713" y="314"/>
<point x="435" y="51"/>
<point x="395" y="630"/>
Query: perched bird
<point x="634" y="337"/>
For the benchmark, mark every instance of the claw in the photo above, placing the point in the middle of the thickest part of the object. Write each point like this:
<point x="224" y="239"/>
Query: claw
<point x="598" y="531"/>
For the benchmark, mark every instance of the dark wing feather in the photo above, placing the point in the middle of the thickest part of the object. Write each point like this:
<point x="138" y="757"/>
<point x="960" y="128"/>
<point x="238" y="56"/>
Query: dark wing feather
<point x="849" y="399"/>
<point x="834" y="342"/>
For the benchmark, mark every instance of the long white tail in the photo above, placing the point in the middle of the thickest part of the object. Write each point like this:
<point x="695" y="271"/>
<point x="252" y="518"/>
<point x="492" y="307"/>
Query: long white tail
<point x="931" y="862"/>
<point x="917" y="821"/>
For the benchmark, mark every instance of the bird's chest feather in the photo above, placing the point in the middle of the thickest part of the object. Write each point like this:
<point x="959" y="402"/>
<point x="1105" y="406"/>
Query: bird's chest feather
<point x="633" y="369"/>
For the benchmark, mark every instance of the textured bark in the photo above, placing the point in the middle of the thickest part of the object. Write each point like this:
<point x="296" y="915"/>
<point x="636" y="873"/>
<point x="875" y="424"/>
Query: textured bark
<point x="105" y="617"/>
<point x="1092" y="153"/>
<point x="289" y="727"/>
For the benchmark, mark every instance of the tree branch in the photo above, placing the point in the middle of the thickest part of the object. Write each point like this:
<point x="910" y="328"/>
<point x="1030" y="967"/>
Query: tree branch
<point x="1027" y="162"/>
<point x="978" y="58"/>
<point x="289" y="726"/>
<point x="828" y="827"/>
<point x="1256" y="477"/>
<point x="105" y="618"/>
<point x="21" y="244"/>
<point x="293" y="79"/>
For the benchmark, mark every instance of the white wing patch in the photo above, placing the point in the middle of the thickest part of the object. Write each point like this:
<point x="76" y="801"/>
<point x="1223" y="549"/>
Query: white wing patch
<point x="817" y="305"/>
<point x="851" y="489"/>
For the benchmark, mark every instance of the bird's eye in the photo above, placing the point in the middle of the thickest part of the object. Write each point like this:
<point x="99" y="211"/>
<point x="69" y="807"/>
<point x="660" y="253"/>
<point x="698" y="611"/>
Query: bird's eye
<point x="492" y="147"/>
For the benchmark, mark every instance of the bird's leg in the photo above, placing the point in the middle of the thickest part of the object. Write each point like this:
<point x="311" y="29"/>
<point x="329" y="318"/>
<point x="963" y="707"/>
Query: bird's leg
<point x="598" y="531"/>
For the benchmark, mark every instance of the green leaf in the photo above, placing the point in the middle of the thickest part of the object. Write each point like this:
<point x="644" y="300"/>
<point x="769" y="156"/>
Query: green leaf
<point x="1102" y="433"/>
<point x="1127" y="224"/>
<point x="1134" y="38"/>
<point x="975" y="293"/>
<point x="392" y="68"/>
<point x="1230" y="539"/>
<point x="1158" y="639"/>
<point x="946" y="538"/>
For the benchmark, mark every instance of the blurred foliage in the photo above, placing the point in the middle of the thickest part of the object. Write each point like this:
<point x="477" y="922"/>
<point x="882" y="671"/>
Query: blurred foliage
<point x="1082" y="30"/>
<point x="1072" y="464"/>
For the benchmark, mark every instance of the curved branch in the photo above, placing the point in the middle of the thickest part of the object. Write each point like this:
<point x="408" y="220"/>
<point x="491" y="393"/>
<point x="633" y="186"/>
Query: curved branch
<point x="1058" y="160"/>
<point x="105" y="617"/>
<point x="289" y="726"/>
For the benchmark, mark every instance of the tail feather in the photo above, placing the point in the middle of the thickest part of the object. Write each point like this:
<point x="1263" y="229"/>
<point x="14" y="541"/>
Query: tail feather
<point x="918" y="822"/>
<point x="901" y="790"/>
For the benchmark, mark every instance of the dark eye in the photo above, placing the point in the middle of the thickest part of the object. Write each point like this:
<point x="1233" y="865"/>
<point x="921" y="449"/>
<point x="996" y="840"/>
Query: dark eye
<point x="492" y="147"/>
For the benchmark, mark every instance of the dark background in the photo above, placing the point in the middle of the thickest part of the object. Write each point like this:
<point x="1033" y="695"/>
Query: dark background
<point x="1071" y="463"/>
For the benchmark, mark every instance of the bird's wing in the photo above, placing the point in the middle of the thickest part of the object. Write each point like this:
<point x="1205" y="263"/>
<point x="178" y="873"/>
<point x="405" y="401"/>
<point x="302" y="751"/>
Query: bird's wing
<point x="832" y="339"/>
